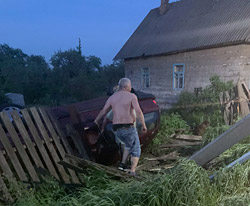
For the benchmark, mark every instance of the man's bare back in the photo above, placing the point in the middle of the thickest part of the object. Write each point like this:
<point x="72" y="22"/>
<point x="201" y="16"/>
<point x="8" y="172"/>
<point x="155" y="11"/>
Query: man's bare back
<point x="122" y="104"/>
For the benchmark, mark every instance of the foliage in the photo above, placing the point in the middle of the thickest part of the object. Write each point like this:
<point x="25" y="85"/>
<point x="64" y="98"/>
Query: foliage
<point x="169" y="123"/>
<point x="195" y="108"/>
<point x="185" y="184"/>
<point x="213" y="132"/>
<point x="71" y="77"/>
<point x="158" y="190"/>
<point x="47" y="193"/>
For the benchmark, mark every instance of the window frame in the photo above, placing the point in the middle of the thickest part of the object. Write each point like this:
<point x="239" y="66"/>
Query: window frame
<point x="179" y="73"/>
<point x="148" y="122"/>
<point x="142" y="76"/>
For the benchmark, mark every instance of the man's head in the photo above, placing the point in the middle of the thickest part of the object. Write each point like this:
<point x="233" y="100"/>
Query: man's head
<point x="125" y="84"/>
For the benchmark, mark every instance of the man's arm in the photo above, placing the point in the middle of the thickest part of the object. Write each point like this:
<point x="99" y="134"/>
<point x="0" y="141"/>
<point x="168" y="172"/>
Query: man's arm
<point x="108" y="117"/>
<point x="104" y="111"/>
<point x="139" y="113"/>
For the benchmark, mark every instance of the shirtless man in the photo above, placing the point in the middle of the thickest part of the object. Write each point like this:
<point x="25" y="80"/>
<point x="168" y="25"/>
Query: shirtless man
<point x="122" y="104"/>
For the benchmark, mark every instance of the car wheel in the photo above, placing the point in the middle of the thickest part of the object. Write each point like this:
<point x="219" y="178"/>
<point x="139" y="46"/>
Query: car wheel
<point x="10" y="108"/>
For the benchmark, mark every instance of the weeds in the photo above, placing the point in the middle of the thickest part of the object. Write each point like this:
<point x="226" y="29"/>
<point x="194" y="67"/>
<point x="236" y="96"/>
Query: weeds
<point x="168" y="125"/>
<point x="186" y="184"/>
<point x="195" y="108"/>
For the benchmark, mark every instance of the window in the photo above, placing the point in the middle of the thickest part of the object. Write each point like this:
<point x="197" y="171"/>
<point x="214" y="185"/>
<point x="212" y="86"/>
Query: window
<point x="150" y="121"/>
<point x="145" y="78"/>
<point x="178" y="76"/>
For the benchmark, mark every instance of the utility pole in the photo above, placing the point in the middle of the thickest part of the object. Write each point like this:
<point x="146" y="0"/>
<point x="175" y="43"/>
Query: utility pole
<point x="80" y="47"/>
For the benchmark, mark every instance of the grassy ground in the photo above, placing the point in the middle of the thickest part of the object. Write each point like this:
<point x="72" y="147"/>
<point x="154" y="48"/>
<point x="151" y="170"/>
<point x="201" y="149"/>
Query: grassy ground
<point x="185" y="184"/>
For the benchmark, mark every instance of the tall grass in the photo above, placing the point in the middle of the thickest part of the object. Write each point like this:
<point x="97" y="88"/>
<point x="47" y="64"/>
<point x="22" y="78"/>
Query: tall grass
<point x="186" y="184"/>
<point x="168" y="125"/>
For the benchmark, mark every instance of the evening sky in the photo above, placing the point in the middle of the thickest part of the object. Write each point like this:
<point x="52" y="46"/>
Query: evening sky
<point x="46" y="26"/>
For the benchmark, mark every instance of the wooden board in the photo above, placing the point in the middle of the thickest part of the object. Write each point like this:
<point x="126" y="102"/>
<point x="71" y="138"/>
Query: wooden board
<point x="19" y="146"/>
<point x="12" y="156"/>
<point x="171" y="156"/>
<point x="75" y="129"/>
<point x="80" y="162"/>
<point x="4" y="189"/>
<point x="180" y="143"/>
<point x="148" y="165"/>
<point x="246" y="90"/>
<point x="49" y="144"/>
<point x="56" y="139"/>
<point x="243" y="100"/>
<point x="59" y="131"/>
<point x="221" y="98"/>
<point x="5" y="168"/>
<point x="189" y="137"/>
<point x="63" y="139"/>
<point x="39" y="143"/>
<point x="31" y="144"/>
<point x="27" y="139"/>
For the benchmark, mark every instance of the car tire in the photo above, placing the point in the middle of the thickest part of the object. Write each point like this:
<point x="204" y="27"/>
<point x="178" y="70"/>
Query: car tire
<point x="8" y="108"/>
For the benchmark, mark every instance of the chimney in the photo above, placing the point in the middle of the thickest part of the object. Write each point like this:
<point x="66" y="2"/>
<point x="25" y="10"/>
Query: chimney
<point x="164" y="6"/>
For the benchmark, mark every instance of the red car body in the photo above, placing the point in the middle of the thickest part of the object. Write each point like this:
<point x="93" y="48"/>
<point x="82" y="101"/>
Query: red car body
<point x="88" y="111"/>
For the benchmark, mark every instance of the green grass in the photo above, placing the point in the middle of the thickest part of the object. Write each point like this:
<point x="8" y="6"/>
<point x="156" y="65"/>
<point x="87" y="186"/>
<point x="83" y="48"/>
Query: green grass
<point x="184" y="185"/>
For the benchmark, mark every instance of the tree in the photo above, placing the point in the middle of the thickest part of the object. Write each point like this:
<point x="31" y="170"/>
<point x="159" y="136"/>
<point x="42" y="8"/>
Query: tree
<point x="37" y="75"/>
<point x="72" y="78"/>
<point x="13" y="75"/>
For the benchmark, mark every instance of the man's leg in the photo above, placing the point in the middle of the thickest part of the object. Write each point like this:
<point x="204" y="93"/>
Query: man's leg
<point x="125" y="156"/>
<point x="123" y="164"/>
<point x="135" y="152"/>
<point x="134" y="163"/>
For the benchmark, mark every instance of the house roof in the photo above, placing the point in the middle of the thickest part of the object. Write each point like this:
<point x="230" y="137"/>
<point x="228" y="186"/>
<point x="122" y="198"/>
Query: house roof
<point x="189" y="25"/>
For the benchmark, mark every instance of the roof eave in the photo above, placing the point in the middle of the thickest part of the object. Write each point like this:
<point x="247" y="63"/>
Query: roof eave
<point x="184" y="50"/>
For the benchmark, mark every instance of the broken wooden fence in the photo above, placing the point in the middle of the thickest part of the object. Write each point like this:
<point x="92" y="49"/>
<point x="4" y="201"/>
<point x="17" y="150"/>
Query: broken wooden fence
<point x="29" y="144"/>
<point x="235" y="102"/>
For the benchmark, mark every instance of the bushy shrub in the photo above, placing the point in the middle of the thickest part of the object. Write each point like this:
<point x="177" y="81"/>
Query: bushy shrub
<point x="169" y="123"/>
<point x="204" y="106"/>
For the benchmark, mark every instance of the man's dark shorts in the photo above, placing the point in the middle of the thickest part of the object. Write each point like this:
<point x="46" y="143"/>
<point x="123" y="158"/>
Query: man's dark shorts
<point x="130" y="138"/>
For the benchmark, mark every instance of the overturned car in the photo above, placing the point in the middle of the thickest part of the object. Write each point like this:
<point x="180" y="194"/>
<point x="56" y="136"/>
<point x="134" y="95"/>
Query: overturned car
<point x="100" y="146"/>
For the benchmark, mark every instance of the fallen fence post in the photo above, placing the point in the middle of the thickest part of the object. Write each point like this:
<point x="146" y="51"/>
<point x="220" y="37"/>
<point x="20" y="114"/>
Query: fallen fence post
<point x="225" y="141"/>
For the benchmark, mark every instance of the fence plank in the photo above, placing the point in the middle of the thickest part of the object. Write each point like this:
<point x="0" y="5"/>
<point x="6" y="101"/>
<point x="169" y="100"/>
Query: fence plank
<point x="19" y="146"/>
<point x="27" y="139"/>
<point x="4" y="189"/>
<point x="52" y="132"/>
<point x="39" y="143"/>
<point x="12" y="155"/>
<point x="76" y="132"/>
<point x="243" y="100"/>
<point x="5" y="167"/>
<point x="57" y="141"/>
<point x="50" y="146"/>
<point x="59" y="131"/>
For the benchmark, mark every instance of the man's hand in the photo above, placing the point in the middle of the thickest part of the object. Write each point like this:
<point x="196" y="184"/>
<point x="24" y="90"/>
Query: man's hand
<point x="144" y="129"/>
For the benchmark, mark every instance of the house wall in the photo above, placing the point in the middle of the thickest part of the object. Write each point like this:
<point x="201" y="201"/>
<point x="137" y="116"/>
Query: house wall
<point x="230" y="63"/>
